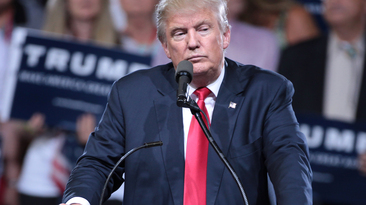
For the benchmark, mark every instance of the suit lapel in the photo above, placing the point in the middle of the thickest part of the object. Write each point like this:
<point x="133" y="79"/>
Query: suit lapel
<point x="170" y="121"/>
<point x="227" y="107"/>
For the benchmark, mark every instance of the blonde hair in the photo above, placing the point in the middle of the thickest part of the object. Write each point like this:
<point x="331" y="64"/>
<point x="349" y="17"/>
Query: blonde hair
<point x="166" y="7"/>
<point x="57" y="19"/>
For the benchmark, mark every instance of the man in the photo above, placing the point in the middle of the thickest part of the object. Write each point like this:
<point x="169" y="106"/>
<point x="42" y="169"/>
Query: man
<point x="251" y="120"/>
<point x="328" y="72"/>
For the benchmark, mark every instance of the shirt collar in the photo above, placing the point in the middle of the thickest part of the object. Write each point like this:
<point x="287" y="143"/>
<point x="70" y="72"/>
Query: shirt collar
<point x="338" y="44"/>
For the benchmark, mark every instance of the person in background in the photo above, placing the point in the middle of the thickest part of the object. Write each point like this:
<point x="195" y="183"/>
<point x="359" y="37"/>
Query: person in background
<point x="249" y="44"/>
<point x="288" y="20"/>
<point x="35" y="13"/>
<point x="139" y="34"/>
<point x="17" y="135"/>
<point x="53" y="153"/>
<point x="250" y="116"/>
<point x="333" y="63"/>
<point x="12" y="14"/>
<point x="88" y="21"/>
<point x="329" y="72"/>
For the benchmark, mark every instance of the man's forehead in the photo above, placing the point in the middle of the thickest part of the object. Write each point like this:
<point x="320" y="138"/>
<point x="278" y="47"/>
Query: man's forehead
<point x="183" y="19"/>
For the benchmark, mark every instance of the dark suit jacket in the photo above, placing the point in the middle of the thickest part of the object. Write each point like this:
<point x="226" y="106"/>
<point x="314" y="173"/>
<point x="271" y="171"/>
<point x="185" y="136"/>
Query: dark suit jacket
<point x="304" y="65"/>
<point x="260" y="135"/>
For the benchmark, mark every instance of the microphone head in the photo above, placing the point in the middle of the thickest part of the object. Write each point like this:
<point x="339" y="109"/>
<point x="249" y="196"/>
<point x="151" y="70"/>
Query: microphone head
<point x="184" y="68"/>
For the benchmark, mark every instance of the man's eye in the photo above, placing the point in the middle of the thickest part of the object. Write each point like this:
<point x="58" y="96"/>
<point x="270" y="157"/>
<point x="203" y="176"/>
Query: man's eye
<point x="178" y="35"/>
<point x="204" y="29"/>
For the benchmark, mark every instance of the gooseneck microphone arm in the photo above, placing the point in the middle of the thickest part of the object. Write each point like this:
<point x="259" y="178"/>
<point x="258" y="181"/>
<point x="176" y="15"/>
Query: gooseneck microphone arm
<point x="195" y="110"/>
<point x="146" y="145"/>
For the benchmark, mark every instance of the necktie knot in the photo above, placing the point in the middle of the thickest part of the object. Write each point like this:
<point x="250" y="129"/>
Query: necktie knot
<point x="202" y="93"/>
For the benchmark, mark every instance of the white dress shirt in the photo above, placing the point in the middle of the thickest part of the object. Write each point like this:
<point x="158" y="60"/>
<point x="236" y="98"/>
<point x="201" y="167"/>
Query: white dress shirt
<point x="209" y="101"/>
<point x="343" y="75"/>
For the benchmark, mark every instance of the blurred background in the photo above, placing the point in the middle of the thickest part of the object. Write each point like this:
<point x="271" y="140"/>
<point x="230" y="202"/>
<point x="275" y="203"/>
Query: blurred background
<point x="58" y="59"/>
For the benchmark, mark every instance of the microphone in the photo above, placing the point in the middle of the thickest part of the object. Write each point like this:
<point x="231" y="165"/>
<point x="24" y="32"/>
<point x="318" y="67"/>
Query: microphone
<point x="146" y="145"/>
<point x="183" y="76"/>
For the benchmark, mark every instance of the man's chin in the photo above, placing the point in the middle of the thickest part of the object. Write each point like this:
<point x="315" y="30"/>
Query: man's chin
<point x="199" y="67"/>
<point x="200" y="73"/>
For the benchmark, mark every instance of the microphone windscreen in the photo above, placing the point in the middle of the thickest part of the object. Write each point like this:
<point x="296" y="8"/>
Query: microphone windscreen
<point x="184" y="68"/>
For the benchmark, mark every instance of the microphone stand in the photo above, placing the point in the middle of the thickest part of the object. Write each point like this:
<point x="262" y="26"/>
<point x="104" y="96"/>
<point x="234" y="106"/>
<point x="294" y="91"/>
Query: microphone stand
<point x="195" y="110"/>
<point x="145" y="145"/>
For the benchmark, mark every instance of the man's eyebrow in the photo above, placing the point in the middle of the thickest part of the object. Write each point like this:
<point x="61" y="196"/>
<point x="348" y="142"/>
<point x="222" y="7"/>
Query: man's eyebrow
<point x="177" y="28"/>
<point x="198" y="24"/>
<point x="182" y="28"/>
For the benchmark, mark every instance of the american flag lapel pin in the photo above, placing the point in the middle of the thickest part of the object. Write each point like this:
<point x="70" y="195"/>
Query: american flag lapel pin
<point x="232" y="105"/>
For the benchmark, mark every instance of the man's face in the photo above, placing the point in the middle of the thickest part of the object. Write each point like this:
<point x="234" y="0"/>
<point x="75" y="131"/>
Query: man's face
<point x="196" y="37"/>
<point x="343" y="12"/>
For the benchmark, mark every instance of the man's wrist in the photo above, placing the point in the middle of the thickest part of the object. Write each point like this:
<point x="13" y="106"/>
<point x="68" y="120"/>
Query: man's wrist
<point x="77" y="200"/>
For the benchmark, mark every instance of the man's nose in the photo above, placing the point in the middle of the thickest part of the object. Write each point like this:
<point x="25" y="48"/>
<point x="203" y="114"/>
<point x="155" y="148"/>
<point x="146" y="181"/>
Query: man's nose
<point x="193" y="41"/>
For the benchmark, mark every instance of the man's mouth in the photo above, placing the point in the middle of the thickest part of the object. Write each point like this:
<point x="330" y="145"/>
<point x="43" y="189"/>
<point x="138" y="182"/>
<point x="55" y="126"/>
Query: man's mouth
<point x="195" y="58"/>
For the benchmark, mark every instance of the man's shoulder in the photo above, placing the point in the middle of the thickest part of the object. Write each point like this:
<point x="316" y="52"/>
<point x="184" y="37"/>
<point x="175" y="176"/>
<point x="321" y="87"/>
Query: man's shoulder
<point x="307" y="56"/>
<point x="247" y="71"/>
<point x="256" y="81"/>
<point x="146" y="75"/>
<point x="307" y="47"/>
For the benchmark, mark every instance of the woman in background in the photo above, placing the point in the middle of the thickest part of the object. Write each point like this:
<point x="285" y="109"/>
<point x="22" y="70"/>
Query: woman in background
<point x="84" y="20"/>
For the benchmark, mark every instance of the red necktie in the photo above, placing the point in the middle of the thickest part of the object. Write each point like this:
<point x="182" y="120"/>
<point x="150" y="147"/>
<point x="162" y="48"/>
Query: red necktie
<point x="196" y="157"/>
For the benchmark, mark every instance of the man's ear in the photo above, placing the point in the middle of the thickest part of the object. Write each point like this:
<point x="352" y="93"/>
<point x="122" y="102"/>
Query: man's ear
<point x="166" y="50"/>
<point x="226" y="38"/>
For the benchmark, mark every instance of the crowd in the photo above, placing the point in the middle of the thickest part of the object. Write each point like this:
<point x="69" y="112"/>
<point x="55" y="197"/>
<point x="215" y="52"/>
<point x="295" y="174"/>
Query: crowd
<point x="326" y="69"/>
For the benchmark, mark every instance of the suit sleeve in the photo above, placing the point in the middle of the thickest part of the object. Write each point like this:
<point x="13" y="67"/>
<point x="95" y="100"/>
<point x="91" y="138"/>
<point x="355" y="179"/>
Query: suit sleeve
<point x="104" y="148"/>
<point x="286" y="151"/>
